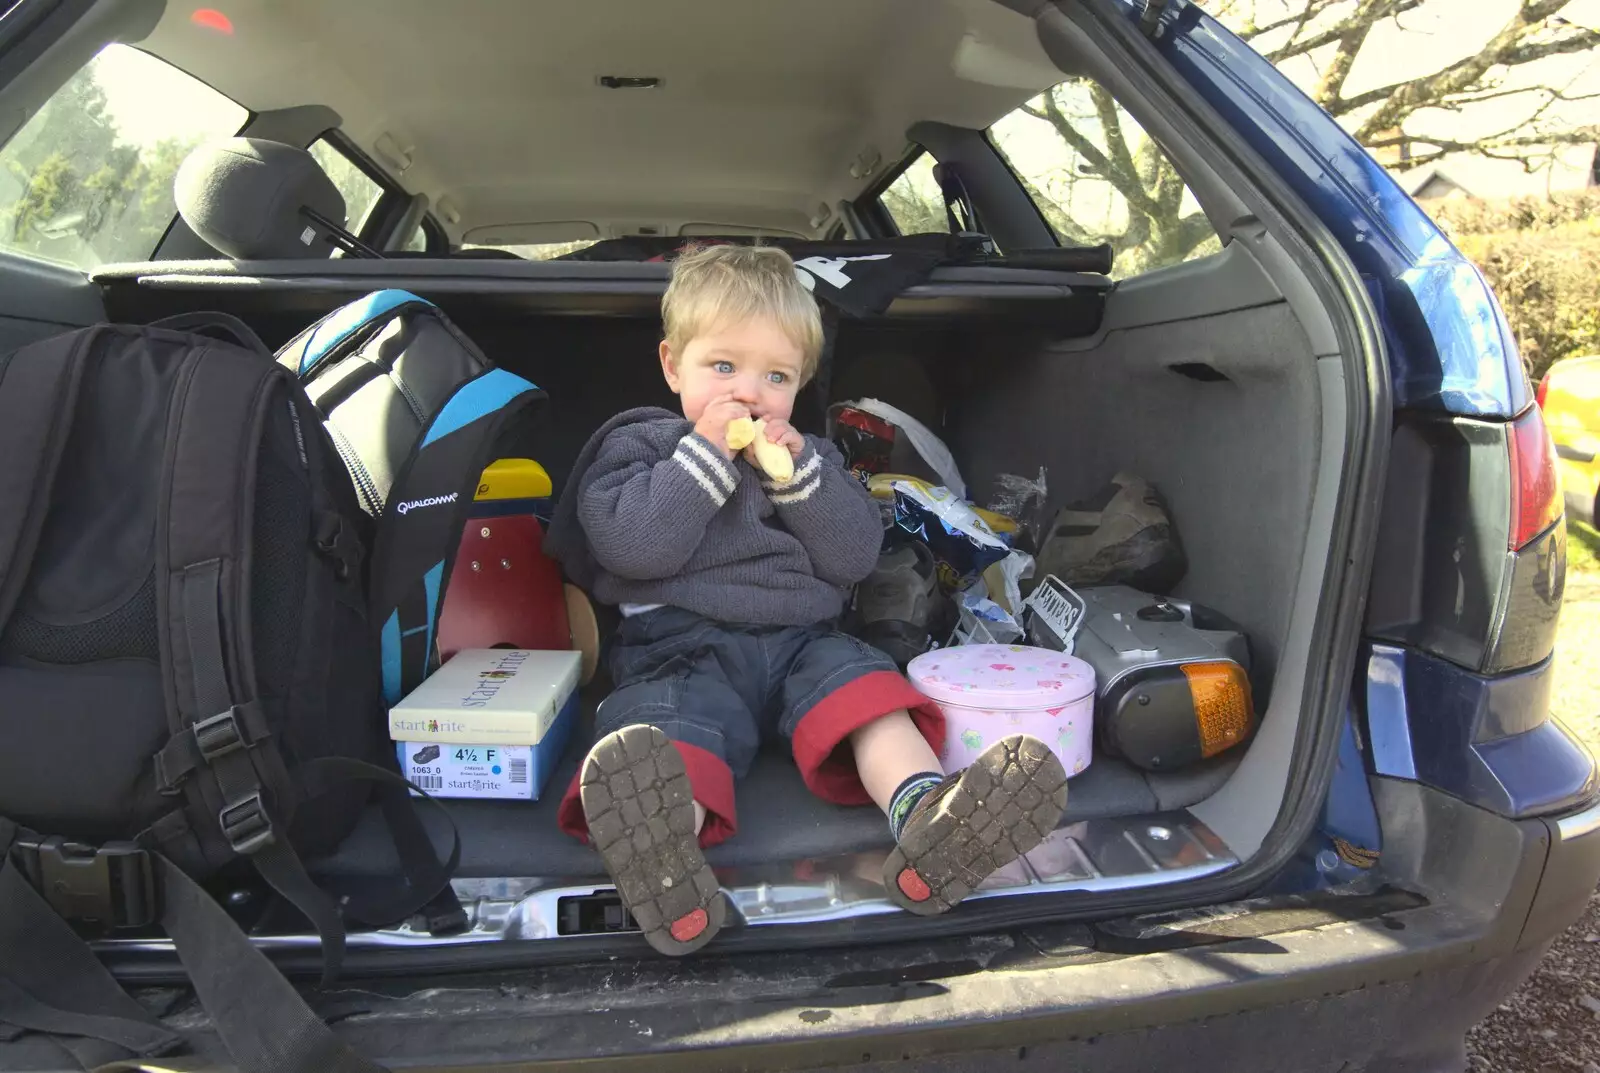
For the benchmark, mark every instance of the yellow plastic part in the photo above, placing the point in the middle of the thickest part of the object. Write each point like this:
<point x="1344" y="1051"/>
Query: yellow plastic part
<point x="514" y="478"/>
<point x="1223" y="710"/>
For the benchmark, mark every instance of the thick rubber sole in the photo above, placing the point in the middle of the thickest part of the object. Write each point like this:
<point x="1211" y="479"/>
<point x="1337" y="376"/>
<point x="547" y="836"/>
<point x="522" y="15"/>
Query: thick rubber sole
<point x="640" y="808"/>
<point x="1007" y="802"/>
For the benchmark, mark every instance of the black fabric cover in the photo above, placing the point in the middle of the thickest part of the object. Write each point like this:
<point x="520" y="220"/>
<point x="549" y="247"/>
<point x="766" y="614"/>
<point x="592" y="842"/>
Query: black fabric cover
<point x="245" y="195"/>
<point x="860" y="278"/>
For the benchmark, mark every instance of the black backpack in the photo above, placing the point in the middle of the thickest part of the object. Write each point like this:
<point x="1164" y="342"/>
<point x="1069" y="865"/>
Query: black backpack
<point x="188" y="680"/>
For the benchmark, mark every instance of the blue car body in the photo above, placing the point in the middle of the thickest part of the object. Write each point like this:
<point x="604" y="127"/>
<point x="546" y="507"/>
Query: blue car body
<point x="1450" y="352"/>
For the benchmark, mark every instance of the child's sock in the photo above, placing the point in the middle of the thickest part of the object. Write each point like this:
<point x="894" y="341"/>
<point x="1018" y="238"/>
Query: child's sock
<point x="904" y="800"/>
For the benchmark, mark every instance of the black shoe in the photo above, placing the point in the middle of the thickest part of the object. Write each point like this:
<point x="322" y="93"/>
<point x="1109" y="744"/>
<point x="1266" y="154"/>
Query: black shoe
<point x="900" y="609"/>
<point x="975" y="823"/>
<point x="640" y="810"/>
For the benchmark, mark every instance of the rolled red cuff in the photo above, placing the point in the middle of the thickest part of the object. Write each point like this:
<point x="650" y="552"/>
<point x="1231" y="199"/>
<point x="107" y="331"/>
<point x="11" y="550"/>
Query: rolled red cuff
<point x="709" y="777"/>
<point x="826" y="763"/>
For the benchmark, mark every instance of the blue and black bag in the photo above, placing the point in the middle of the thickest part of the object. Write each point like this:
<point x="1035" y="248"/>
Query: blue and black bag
<point x="416" y="411"/>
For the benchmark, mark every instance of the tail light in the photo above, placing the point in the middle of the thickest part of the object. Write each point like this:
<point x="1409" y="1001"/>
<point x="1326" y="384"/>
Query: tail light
<point x="1544" y="389"/>
<point x="1536" y="500"/>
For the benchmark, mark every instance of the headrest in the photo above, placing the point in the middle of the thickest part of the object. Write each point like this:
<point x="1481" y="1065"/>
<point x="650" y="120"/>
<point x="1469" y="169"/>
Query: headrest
<point x="245" y="195"/>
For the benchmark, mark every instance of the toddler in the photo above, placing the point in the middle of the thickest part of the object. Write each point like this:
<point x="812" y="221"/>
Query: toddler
<point x="730" y="582"/>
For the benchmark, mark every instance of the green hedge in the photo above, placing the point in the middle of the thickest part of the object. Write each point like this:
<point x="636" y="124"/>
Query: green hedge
<point x="1542" y="257"/>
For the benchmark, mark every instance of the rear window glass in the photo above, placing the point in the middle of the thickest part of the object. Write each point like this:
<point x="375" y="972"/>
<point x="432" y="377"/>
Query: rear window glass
<point x="1096" y="176"/>
<point x="360" y="190"/>
<point x="88" y="179"/>
<point x="535" y="251"/>
<point x="418" y="242"/>
<point x="914" y="200"/>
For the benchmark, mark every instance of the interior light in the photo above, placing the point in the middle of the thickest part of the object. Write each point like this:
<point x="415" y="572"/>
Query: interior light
<point x="212" y="19"/>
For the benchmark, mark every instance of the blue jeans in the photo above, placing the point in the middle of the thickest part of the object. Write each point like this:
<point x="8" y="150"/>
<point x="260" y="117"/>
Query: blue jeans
<point x="724" y="688"/>
<point x="719" y="689"/>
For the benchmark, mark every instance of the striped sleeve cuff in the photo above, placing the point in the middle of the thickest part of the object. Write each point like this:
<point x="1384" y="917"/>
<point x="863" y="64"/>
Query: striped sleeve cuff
<point x="802" y="486"/>
<point x="702" y="461"/>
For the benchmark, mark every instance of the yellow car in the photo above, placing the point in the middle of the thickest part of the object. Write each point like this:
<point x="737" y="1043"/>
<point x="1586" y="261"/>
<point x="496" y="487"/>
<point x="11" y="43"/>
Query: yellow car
<point x="1569" y="394"/>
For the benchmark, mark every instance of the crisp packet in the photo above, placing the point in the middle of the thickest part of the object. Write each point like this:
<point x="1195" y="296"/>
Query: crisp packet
<point x="963" y="545"/>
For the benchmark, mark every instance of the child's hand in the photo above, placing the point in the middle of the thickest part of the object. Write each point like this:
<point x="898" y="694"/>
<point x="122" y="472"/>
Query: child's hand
<point x="713" y="423"/>
<point x="782" y="433"/>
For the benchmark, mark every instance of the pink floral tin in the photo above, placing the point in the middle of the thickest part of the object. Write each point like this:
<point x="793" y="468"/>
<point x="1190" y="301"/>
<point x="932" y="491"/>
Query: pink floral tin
<point x="988" y="692"/>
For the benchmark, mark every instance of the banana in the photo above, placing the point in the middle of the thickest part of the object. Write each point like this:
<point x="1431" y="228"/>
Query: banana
<point x="772" y="457"/>
<point x="741" y="433"/>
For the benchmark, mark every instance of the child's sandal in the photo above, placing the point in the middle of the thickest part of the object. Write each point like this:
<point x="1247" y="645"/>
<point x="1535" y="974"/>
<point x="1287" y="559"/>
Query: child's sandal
<point x="640" y="809"/>
<point x="975" y="823"/>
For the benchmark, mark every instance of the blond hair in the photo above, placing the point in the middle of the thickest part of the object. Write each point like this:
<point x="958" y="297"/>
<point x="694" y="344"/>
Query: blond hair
<point x="715" y="286"/>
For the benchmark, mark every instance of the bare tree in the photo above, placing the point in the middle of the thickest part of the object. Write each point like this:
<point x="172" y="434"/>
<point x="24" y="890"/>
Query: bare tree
<point x="1097" y="132"/>
<point x="1107" y="148"/>
<point x="1333" y="32"/>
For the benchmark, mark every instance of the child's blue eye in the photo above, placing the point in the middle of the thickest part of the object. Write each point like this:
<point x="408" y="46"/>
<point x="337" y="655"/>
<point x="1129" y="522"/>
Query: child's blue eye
<point x="778" y="378"/>
<point x="723" y="367"/>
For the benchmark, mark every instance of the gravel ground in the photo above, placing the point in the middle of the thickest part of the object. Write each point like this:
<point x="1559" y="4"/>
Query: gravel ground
<point x="1552" y="1023"/>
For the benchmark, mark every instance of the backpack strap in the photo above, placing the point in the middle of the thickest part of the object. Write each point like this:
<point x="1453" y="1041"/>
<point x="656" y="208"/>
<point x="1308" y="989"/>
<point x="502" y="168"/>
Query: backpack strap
<point x="344" y="329"/>
<point x="203" y="575"/>
<point x="427" y="889"/>
<point x="39" y="387"/>
<point x="264" y="1023"/>
<point x="421" y="524"/>
<point x="52" y="983"/>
